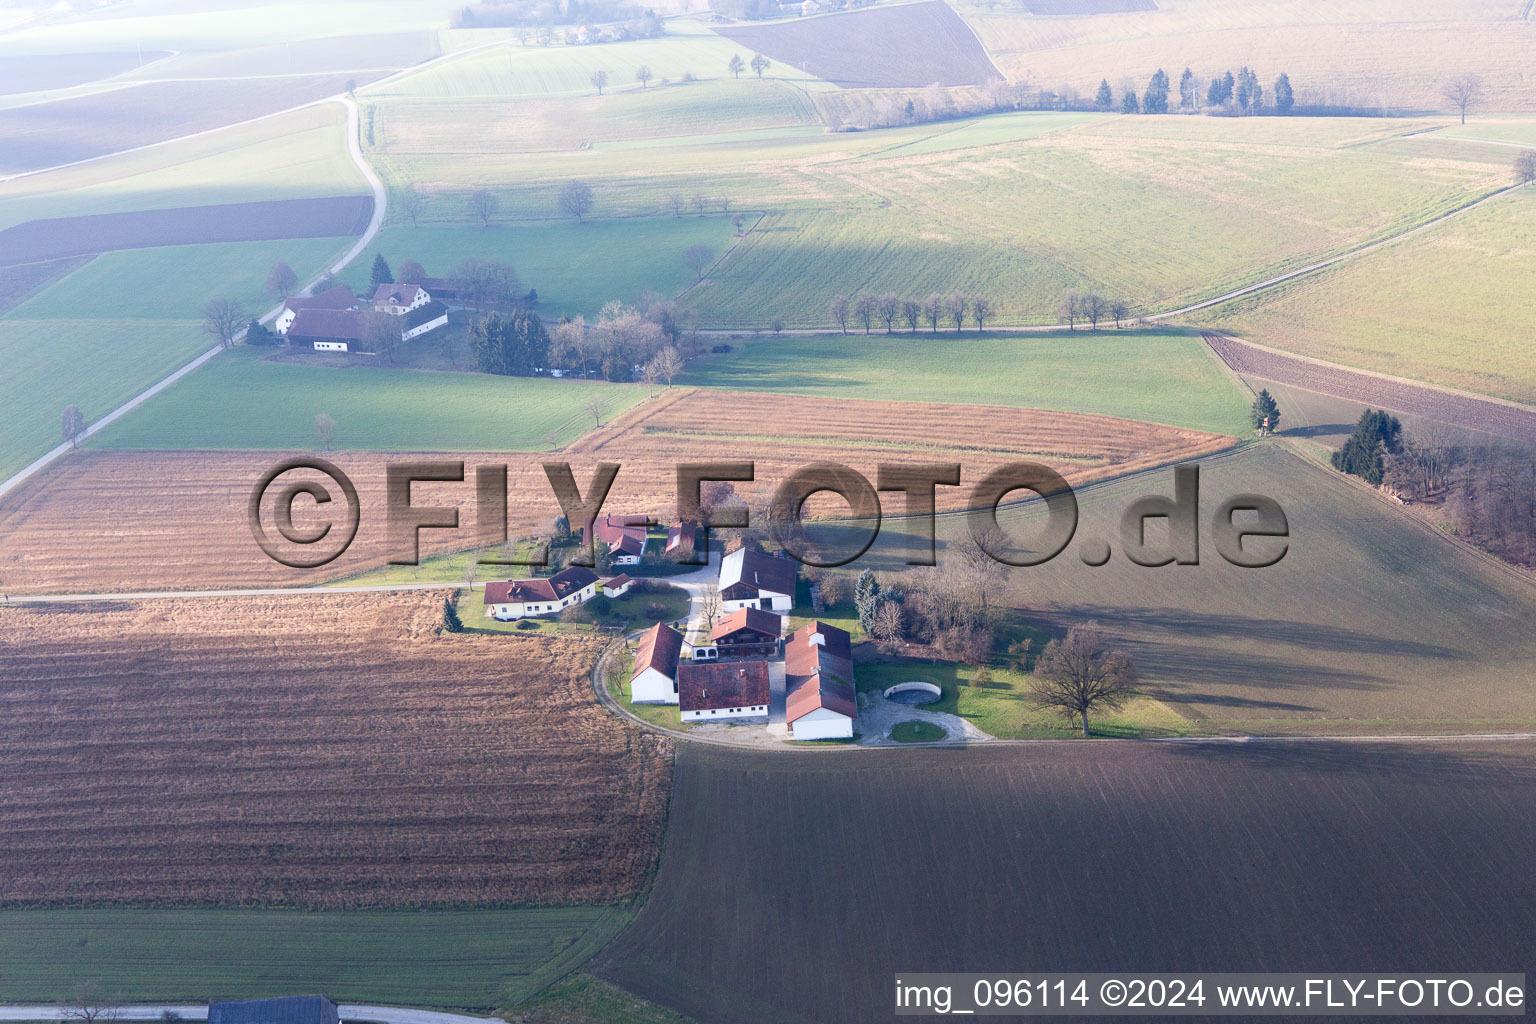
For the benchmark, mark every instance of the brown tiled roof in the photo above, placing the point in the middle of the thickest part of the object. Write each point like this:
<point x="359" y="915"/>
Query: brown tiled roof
<point x="659" y="649"/>
<point x="618" y="581"/>
<point x="766" y="623"/>
<point x="620" y="534"/>
<point x="342" y="324"/>
<point x="337" y="297"/>
<point x="819" y="675"/>
<point x="761" y="572"/>
<point x="395" y="294"/>
<point x="554" y="588"/>
<point x="737" y="684"/>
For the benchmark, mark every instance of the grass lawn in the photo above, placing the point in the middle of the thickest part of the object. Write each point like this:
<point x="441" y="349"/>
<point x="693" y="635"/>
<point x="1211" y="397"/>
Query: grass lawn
<point x="1449" y="306"/>
<point x="242" y="401"/>
<point x="582" y="999"/>
<point x="472" y="959"/>
<point x="1002" y="708"/>
<point x="916" y="732"/>
<point x="1160" y="375"/>
<point x="667" y="716"/>
<point x="575" y="267"/>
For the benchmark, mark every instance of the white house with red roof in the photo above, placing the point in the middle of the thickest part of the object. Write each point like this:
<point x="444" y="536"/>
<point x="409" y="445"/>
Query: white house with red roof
<point x="517" y="599"/>
<point x="618" y="586"/>
<point x="337" y="298"/>
<point x="820" y="701"/>
<point x="626" y="537"/>
<point x="654" y="678"/>
<point x="399" y="299"/>
<point x="736" y="691"/>
<point x="751" y="579"/>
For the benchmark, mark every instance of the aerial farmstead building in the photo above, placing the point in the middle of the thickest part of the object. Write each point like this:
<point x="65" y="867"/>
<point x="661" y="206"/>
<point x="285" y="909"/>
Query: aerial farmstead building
<point x="618" y="586"/>
<point x="747" y="633"/>
<point x="751" y="579"/>
<point x="654" y="680"/>
<point x="328" y="330"/>
<point x="723" y="692"/>
<point x="820" y="701"/>
<point x="399" y="299"/>
<point x="624" y="535"/>
<point x="338" y="298"/>
<point x="516" y="599"/>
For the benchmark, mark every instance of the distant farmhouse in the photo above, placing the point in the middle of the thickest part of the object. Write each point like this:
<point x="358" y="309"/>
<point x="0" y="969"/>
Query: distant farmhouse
<point x="724" y="692"/>
<point x="333" y="322"/>
<point x="624" y="535"/>
<point x="820" y="702"/>
<point x="751" y="579"/>
<point x="285" y="1010"/>
<point x="516" y="599"/>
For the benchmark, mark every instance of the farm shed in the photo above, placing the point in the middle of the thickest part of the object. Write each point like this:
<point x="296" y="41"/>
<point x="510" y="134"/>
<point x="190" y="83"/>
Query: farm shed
<point x="339" y="297"/>
<point x="328" y="330"/>
<point x="283" y="1010"/>
<point x="618" y="586"/>
<point x="654" y="680"/>
<point x="747" y="633"/>
<point x="423" y="319"/>
<point x="734" y="692"/>
<point x="751" y="579"/>
<point x="820" y="700"/>
<point x="515" y="599"/>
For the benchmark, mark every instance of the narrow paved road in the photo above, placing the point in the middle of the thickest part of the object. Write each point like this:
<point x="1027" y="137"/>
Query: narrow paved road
<point x="361" y="1013"/>
<point x="380" y="199"/>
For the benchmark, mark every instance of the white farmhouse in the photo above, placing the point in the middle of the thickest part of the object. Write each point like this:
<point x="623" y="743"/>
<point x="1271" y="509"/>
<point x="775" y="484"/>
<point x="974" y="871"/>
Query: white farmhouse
<point x="399" y="299"/>
<point x="654" y="680"/>
<point x="751" y="579"/>
<point x="338" y="298"/>
<point x="516" y="599"/>
<point x="734" y="691"/>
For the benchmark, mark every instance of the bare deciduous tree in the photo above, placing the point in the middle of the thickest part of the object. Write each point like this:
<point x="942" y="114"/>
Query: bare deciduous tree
<point x="933" y="310"/>
<point x="1070" y="309"/>
<point x="888" y="307"/>
<point x="597" y="407"/>
<point x="410" y="203"/>
<point x="709" y="603"/>
<point x="981" y="309"/>
<point x="1463" y="92"/>
<point x="73" y="425"/>
<point x="643" y="75"/>
<point x="911" y="312"/>
<point x="1079" y="675"/>
<point x="484" y="204"/>
<point x="864" y="310"/>
<point x="281" y="280"/>
<point x="956" y="305"/>
<point x="325" y="430"/>
<point x="1525" y="167"/>
<point x="223" y="319"/>
<point x="697" y="258"/>
<point x="1119" y="311"/>
<point x="839" y="310"/>
<point x="668" y="363"/>
<point x="676" y="200"/>
<point x="888" y="624"/>
<point x="1091" y="308"/>
<point x="576" y="199"/>
<point x="87" y="1005"/>
<point x="598" y="79"/>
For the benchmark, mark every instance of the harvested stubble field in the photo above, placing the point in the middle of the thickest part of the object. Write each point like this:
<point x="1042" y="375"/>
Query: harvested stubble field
<point x="64" y="131"/>
<point x="360" y="52"/>
<point x="19" y="283"/>
<point x="841" y="870"/>
<point x="327" y="752"/>
<point x="101" y="521"/>
<point x="1400" y="396"/>
<point x="41" y="72"/>
<point x="330" y="217"/>
<point x="905" y="45"/>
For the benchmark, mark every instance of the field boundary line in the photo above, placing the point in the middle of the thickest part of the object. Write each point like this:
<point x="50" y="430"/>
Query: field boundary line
<point x="380" y="202"/>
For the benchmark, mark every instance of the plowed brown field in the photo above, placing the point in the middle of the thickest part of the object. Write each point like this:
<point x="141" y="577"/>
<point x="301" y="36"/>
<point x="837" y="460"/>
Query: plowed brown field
<point x="121" y="521"/>
<point x="311" y="751"/>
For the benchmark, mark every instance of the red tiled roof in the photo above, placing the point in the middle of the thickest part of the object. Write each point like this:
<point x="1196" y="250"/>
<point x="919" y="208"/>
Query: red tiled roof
<point x="618" y="581"/>
<point x="337" y="297"/>
<point x="738" y="684"/>
<point x="755" y="619"/>
<point x="342" y="324"/>
<point x="554" y="588"/>
<point x="395" y="294"/>
<point x="819" y="675"/>
<point x="622" y="534"/>
<point x="659" y="649"/>
<point x="751" y="568"/>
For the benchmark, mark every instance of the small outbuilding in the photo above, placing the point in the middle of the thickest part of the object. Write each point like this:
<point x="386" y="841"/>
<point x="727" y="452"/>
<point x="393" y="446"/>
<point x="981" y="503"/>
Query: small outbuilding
<point x="618" y="586"/>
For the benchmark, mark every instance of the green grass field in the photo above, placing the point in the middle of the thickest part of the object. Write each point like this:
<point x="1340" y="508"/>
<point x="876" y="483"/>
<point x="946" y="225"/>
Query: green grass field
<point x="1163" y="376"/>
<point x="242" y="401"/>
<point x="1371" y="623"/>
<point x="1449" y="306"/>
<point x="575" y="267"/>
<point x="475" y="959"/>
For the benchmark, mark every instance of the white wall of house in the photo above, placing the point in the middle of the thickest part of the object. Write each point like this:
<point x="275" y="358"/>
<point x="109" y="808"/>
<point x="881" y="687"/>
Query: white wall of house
<point x="618" y="591"/>
<point x="652" y="687"/>
<point x="520" y="609"/>
<point x="727" y="714"/>
<point x="284" y="321"/>
<point x="822" y="724"/>
<point x="430" y="325"/>
<point x="765" y="599"/>
<point x="330" y="346"/>
<point x="626" y="559"/>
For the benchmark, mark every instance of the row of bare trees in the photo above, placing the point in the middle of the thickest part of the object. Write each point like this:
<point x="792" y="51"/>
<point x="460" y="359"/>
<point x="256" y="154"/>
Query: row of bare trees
<point x="1092" y="309"/>
<point x="891" y="310"/>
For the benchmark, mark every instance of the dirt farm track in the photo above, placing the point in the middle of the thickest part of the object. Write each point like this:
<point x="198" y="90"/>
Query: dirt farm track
<point x="1114" y="857"/>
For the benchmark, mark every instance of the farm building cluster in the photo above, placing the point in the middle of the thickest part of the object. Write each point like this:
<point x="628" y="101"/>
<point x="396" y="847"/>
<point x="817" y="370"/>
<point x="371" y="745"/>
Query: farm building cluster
<point x="510" y="600"/>
<point x="744" y="664"/>
<point x="335" y="320"/>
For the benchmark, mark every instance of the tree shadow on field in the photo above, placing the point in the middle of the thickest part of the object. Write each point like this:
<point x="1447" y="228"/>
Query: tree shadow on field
<point x="1485" y="763"/>
<point x="1205" y="625"/>
<point x="1320" y="430"/>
